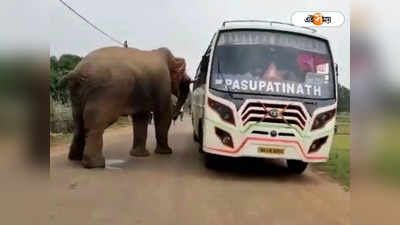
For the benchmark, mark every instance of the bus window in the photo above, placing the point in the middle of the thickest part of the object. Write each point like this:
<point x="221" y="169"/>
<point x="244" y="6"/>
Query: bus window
<point x="201" y="73"/>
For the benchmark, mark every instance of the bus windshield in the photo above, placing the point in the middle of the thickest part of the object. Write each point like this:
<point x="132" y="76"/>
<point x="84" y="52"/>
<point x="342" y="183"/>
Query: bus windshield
<point x="272" y="63"/>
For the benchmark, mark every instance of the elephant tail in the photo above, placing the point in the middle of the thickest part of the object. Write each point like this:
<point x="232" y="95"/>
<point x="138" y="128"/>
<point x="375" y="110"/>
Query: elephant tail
<point x="64" y="81"/>
<point x="69" y="78"/>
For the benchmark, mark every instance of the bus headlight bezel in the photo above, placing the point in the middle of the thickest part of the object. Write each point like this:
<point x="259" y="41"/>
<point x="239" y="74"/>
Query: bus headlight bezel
<point x="322" y="119"/>
<point x="224" y="112"/>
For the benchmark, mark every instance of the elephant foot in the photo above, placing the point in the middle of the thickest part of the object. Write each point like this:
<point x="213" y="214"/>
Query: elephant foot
<point x="76" y="151"/>
<point x="139" y="152"/>
<point x="90" y="163"/>
<point x="73" y="156"/>
<point x="163" y="150"/>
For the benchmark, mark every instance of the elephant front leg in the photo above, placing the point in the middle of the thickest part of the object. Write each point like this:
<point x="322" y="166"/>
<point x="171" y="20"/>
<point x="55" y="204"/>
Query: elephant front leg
<point x="139" y="123"/>
<point x="162" y="124"/>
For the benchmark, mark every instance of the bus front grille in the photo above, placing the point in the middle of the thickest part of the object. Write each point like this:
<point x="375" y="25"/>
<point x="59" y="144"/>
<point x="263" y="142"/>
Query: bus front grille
<point x="288" y="114"/>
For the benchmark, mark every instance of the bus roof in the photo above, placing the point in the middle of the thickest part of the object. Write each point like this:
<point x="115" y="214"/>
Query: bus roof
<point x="269" y="25"/>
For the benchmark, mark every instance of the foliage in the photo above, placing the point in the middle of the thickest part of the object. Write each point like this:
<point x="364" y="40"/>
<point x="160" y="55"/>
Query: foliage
<point x="58" y="69"/>
<point x="344" y="99"/>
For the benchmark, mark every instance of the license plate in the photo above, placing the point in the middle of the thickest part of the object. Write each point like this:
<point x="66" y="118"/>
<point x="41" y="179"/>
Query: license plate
<point x="265" y="150"/>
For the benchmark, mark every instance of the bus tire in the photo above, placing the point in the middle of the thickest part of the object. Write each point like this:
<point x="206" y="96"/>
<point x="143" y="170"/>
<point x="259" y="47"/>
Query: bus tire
<point x="296" y="166"/>
<point x="210" y="160"/>
<point x="200" y="137"/>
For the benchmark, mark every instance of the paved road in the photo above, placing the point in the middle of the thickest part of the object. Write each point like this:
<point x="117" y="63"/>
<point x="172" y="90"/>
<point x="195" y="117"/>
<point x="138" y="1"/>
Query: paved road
<point x="178" y="189"/>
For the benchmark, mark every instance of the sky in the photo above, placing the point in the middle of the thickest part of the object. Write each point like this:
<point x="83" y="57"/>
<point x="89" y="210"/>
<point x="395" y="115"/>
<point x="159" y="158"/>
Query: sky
<point x="185" y="27"/>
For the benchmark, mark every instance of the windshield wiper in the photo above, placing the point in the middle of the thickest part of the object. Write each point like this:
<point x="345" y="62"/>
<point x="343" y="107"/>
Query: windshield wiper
<point x="223" y="79"/>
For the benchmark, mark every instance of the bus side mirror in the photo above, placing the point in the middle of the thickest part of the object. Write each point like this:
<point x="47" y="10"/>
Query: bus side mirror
<point x="204" y="64"/>
<point x="336" y="69"/>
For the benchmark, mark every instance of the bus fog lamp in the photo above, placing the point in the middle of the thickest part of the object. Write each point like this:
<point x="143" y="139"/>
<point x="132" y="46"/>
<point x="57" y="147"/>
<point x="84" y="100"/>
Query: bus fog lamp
<point x="224" y="137"/>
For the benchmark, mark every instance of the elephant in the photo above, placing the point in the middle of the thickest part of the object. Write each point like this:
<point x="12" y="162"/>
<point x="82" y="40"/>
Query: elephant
<point x="114" y="81"/>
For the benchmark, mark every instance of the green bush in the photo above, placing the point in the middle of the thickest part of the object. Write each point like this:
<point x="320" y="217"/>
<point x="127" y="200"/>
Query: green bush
<point x="58" y="69"/>
<point x="60" y="109"/>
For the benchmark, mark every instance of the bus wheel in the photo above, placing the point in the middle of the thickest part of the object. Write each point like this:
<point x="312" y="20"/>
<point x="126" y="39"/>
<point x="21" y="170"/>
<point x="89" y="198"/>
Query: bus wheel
<point x="200" y="137"/>
<point x="296" y="166"/>
<point x="210" y="160"/>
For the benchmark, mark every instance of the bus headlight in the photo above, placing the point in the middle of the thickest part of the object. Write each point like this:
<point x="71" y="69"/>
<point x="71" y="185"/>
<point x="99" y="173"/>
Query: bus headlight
<point x="322" y="119"/>
<point x="223" y="111"/>
<point x="224" y="136"/>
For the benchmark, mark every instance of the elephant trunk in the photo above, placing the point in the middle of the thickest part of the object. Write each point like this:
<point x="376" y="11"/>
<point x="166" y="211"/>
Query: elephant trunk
<point x="178" y="106"/>
<point x="182" y="95"/>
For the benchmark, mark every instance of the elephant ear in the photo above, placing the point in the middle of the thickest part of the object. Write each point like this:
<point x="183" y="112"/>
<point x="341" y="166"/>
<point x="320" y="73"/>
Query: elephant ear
<point x="177" y="73"/>
<point x="178" y="69"/>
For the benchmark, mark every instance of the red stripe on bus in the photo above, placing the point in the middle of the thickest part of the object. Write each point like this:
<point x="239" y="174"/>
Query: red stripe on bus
<point x="270" y="140"/>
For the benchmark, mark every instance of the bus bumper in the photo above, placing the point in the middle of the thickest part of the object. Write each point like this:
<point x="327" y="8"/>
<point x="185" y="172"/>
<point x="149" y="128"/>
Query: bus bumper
<point x="249" y="144"/>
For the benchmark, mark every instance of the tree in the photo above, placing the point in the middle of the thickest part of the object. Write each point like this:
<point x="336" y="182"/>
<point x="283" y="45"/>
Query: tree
<point x="58" y="69"/>
<point x="67" y="63"/>
<point x="343" y="99"/>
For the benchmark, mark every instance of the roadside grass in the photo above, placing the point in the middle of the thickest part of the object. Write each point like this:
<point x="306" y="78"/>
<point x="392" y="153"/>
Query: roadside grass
<point x="338" y="165"/>
<point x="343" y="123"/>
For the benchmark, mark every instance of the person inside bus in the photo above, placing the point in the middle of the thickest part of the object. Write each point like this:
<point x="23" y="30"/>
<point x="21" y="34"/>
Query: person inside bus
<point x="272" y="73"/>
<point x="291" y="65"/>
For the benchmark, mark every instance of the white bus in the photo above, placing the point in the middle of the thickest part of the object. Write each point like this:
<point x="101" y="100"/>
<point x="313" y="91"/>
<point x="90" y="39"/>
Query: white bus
<point x="266" y="89"/>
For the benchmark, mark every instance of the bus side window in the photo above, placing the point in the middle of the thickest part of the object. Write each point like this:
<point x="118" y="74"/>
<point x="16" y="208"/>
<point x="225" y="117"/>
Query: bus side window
<point x="204" y="66"/>
<point x="201" y="73"/>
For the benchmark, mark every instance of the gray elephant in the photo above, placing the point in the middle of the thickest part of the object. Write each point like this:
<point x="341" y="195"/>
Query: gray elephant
<point x="113" y="82"/>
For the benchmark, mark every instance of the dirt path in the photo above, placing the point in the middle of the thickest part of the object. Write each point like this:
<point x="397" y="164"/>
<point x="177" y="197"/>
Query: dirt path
<point x="178" y="189"/>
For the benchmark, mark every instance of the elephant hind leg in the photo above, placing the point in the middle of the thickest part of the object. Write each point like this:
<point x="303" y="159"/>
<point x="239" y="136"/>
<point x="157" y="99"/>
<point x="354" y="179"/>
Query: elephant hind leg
<point x="93" y="157"/>
<point x="139" y="123"/>
<point x="97" y="117"/>
<point x="78" y="141"/>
